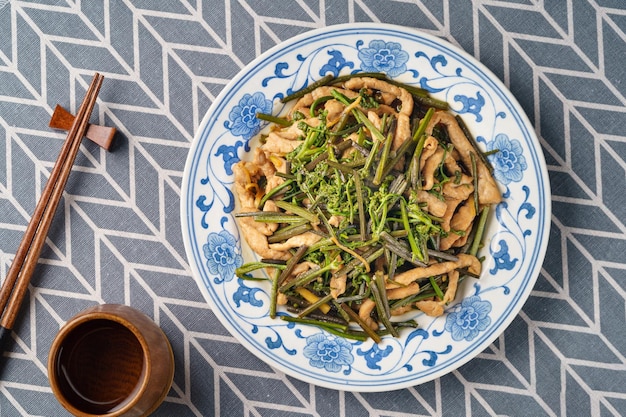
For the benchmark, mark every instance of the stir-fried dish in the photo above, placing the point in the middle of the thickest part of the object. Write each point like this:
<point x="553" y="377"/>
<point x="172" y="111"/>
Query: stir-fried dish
<point x="367" y="201"/>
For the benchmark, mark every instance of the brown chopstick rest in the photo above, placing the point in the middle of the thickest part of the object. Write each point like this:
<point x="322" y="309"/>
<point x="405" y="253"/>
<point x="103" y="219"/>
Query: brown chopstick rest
<point x="100" y="135"/>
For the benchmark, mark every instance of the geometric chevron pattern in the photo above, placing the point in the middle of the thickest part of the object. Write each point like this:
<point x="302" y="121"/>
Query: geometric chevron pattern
<point x="116" y="236"/>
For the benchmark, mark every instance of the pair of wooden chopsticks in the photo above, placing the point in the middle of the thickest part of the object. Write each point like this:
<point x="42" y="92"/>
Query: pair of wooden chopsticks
<point x="16" y="283"/>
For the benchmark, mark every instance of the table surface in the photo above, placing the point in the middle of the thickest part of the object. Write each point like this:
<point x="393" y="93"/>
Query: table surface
<point x="116" y="235"/>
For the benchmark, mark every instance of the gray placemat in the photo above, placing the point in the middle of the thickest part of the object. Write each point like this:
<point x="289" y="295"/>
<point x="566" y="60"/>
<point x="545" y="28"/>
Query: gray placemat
<point x="116" y="236"/>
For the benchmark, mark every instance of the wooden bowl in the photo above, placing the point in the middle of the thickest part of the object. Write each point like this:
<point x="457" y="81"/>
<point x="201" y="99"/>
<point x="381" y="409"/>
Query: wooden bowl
<point x="110" y="360"/>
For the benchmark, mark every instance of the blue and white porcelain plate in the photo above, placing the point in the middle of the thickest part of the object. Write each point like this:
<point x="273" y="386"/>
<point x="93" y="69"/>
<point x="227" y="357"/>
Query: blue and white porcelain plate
<point x="517" y="233"/>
